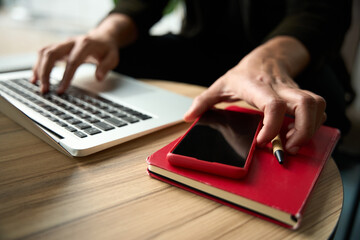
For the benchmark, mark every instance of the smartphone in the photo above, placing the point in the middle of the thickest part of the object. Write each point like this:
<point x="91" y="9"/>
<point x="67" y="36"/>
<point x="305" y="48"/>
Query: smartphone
<point x="220" y="142"/>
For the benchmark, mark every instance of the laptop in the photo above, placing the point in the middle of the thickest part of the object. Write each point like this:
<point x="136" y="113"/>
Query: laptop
<point x="91" y="116"/>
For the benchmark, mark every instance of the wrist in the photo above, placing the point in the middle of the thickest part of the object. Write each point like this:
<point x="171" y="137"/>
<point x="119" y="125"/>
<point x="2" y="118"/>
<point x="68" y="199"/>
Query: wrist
<point x="287" y="51"/>
<point x="118" y="29"/>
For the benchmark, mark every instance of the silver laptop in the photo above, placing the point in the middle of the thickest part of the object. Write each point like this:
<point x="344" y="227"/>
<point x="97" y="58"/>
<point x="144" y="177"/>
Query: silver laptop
<point x="91" y="115"/>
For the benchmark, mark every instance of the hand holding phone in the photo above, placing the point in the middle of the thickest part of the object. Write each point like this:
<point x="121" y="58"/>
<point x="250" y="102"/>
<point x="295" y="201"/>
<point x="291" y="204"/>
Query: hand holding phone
<point x="220" y="142"/>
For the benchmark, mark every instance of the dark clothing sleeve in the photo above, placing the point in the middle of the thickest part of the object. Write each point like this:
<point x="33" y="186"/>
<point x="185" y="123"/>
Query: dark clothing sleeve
<point x="319" y="24"/>
<point x="144" y="13"/>
<point x="232" y="24"/>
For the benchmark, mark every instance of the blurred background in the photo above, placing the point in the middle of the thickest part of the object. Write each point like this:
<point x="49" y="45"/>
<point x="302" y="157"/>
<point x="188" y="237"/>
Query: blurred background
<point x="28" y="25"/>
<point x="39" y="22"/>
<point x="36" y="23"/>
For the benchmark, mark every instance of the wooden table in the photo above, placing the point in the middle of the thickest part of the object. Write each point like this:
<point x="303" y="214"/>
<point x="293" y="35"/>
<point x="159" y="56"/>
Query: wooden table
<point x="47" y="195"/>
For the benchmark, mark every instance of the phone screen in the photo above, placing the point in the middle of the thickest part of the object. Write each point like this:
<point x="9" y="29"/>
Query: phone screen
<point x="221" y="136"/>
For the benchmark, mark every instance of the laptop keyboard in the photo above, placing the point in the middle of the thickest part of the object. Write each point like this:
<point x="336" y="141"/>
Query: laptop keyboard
<point x="79" y="112"/>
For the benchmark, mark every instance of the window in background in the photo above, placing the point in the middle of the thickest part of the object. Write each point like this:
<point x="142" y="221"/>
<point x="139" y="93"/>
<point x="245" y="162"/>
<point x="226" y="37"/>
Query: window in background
<point x="67" y="16"/>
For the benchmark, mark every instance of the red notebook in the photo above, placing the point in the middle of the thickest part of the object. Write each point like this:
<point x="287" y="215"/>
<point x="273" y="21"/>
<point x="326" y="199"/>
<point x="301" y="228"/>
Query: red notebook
<point x="277" y="193"/>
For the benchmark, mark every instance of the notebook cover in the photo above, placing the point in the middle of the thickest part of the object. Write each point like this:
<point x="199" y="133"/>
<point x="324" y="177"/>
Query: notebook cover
<point x="284" y="187"/>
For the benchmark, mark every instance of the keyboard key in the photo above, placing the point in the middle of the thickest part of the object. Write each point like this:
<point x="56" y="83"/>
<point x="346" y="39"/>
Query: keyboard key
<point x="116" y="122"/>
<point x="49" y="108"/>
<point x="118" y="106"/>
<point x="82" y="125"/>
<point x="103" y="106"/>
<point x="93" y="111"/>
<point x="130" y="111"/>
<point x="142" y="116"/>
<point x="56" y="111"/>
<point x="74" y="111"/>
<point x="70" y="129"/>
<point x="80" y="104"/>
<point x="45" y="114"/>
<point x="83" y="115"/>
<point x="104" y="126"/>
<point x="62" y="124"/>
<point x="65" y="116"/>
<point x="92" y="131"/>
<point x="80" y="134"/>
<point x="38" y="110"/>
<point x="102" y="115"/>
<point x="92" y="120"/>
<point x="73" y="121"/>
<point x="120" y="114"/>
<point x="111" y="110"/>
<point x="52" y="119"/>
<point x="130" y="119"/>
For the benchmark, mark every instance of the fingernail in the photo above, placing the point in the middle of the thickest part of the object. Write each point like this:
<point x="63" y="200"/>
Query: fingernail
<point x="293" y="150"/>
<point x="186" y="117"/>
<point x="60" y="90"/>
<point x="260" y="142"/>
<point x="43" y="89"/>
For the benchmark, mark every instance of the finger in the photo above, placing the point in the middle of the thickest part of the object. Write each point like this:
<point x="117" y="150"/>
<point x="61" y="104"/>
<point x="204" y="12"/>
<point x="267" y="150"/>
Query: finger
<point x="321" y="107"/>
<point x="204" y="101"/>
<point x="307" y="111"/>
<point x="76" y="57"/>
<point x="49" y="56"/>
<point x="47" y="63"/>
<point x="109" y="62"/>
<point x="35" y="68"/>
<point x="274" y="112"/>
<point x="267" y="100"/>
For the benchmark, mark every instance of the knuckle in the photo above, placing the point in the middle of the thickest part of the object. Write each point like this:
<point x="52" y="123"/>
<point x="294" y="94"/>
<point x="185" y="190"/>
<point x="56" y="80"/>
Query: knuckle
<point x="321" y="102"/>
<point x="50" y="53"/>
<point x="42" y="51"/>
<point x="85" y="40"/>
<point x="276" y="104"/>
<point x="307" y="101"/>
<point x="263" y="78"/>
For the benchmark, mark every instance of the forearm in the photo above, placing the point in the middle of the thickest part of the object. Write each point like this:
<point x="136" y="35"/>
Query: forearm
<point x="117" y="28"/>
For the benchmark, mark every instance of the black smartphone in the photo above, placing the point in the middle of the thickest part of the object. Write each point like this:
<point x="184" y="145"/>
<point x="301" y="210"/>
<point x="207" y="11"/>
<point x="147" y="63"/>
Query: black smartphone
<point x="220" y="142"/>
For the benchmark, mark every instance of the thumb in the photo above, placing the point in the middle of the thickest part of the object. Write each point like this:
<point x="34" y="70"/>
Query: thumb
<point x="203" y="102"/>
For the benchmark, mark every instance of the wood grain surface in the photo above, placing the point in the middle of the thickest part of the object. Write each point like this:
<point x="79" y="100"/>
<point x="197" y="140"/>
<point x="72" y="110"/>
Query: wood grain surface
<point x="47" y="195"/>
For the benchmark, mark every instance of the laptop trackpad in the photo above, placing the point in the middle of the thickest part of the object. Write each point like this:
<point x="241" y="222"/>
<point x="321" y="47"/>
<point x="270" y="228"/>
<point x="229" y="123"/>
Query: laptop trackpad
<point x="115" y="85"/>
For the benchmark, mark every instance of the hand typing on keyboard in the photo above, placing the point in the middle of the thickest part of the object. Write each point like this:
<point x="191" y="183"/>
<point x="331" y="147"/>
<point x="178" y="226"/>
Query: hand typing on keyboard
<point x="77" y="111"/>
<point x="100" y="46"/>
